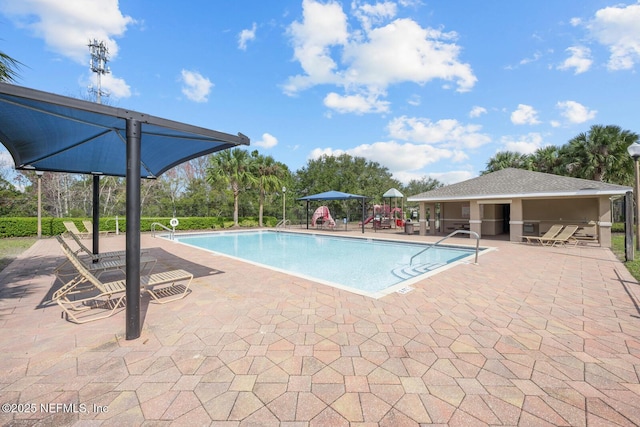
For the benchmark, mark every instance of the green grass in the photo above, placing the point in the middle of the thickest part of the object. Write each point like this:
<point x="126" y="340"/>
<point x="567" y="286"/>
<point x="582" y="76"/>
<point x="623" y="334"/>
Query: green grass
<point x="10" y="248"/>
<point x="617" y="246"/>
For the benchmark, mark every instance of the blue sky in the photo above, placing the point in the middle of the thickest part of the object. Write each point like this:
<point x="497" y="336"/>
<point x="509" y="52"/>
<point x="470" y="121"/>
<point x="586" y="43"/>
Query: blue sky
<point x="429" y="88"/>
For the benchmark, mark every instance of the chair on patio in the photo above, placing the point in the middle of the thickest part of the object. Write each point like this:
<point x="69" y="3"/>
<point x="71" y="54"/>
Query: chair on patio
<point x="551" y="232"/>
<point x="98" y="266"/>
<point x="89" y="226"/>
<point x="103" y="255"/>
<point x="86" y="292"/>
<point x="563" y="238"/>
<point x="71" y="228"/>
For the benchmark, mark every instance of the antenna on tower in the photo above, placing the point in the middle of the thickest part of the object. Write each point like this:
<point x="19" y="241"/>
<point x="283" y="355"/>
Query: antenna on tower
<point x="98" y="64"/>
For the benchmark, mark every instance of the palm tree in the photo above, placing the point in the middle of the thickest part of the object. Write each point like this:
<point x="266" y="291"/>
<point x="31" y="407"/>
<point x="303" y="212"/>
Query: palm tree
<point x="546" y="159"/>
<point x="601" y="154"/>
<point x="8" y="68"/>
<point x="270" y="175"/>
<point x="234" y="169"/>
<point x="508" y="159"/>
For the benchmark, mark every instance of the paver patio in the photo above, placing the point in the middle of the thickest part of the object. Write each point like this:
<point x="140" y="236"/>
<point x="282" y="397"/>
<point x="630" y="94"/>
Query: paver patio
<point x="530" y="336"/>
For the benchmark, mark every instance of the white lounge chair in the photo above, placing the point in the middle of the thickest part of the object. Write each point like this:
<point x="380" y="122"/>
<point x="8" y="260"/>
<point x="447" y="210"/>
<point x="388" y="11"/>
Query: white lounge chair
<point x="97" y="257"/>
<point x="99" y="266"/>
<point x="89" y="226"/>
<point x="551" y="232"/>
<point x="563" y="238"/>
<point x="85" y="292"/>
<point x="72" y="228"/>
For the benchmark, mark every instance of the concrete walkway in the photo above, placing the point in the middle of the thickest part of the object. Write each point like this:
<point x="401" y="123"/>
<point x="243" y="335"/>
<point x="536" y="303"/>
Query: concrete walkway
<point x="531" y="336"/>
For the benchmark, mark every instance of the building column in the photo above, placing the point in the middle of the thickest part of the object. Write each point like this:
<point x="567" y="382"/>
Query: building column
<point x="516" y="221"/>
<point x="475" y="220"/>
<point x="431" y="207"/>
<point x="422" y="218"/>
<point x="604" y="221"/>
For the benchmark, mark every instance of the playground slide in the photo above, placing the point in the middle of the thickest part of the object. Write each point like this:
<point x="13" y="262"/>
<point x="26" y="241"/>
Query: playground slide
<point x="323" y="212"/>
<point x="368" y="220"/>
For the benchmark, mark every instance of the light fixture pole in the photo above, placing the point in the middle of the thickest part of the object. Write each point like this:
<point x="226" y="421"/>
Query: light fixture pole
<point x="39" y="175"/>
<point x="284" y="204"/>
<point x="634" y="152"/>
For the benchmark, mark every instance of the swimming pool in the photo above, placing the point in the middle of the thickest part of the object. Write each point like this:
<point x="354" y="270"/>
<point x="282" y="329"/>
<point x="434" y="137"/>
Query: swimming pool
<point x="371" y="267"/>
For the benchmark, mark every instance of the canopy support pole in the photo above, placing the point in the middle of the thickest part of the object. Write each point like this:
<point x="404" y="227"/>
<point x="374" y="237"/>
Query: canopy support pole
<point x="134" y="132"/>
<point x="363" y="215"/>
<point x="96" y="214"/>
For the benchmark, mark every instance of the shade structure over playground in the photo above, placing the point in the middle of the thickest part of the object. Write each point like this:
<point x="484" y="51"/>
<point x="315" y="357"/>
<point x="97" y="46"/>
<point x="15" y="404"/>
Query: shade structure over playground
<point x="48" y="132"/>
<point x="334" y="195"/>
<point x="393" y="193"/>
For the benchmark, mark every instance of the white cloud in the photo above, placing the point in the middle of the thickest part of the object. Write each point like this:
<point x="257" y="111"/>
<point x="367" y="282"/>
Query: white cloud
<point x="323" y="26"/>
<point x="67" y="26"/>
<point x="477" y="111"/>
<point x="415" y="144"/>
<point x="447" y="132"/>
<point x="524" y="115"/>
<point x="575" y="112"/>
<point x="370" y="14"/>
<point x="414" y="100"/>
<point x="525" y="144"/>
<point x="373" y="57"/>
<point x="358" y="104"/>
<point x="616" y="27"/>
<point x="397" y="157"/>
<point x="196" y="87"/>
<point x="246" y="36"/>
<point x="267" y="141"/>
<point x="579" y="59"/>
<point x="116" y="86"/>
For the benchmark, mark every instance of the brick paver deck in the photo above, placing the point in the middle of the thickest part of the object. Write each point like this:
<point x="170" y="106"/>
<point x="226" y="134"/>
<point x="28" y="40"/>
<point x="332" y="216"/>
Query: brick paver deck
<point x="531" y="336"/>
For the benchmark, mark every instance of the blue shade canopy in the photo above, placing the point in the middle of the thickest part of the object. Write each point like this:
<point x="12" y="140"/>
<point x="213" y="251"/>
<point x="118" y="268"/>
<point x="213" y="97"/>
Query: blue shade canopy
<point x="332" y="195"/>
<point x="49" y="132"/>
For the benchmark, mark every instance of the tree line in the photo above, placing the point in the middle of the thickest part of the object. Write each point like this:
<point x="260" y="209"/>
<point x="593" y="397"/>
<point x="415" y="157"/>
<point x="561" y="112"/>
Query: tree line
<point x="598" y="155"/>
<point x="230" y="183"/>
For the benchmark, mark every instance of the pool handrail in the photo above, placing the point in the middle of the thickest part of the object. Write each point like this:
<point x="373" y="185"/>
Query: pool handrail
<point x="153" y="230"/>
<point x="283" y="223"/>
<point x="477" y="236"/>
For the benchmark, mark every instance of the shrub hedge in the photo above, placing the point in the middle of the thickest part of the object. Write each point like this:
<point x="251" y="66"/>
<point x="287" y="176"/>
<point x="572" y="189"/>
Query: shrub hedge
<point x="28" y="227"/>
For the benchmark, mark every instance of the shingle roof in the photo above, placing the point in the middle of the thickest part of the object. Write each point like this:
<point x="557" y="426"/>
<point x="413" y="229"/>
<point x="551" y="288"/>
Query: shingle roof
<point x="521" y="183"/>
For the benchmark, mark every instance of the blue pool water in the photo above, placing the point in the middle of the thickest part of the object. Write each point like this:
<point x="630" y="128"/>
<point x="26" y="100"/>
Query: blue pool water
<point x="366" y="266"/>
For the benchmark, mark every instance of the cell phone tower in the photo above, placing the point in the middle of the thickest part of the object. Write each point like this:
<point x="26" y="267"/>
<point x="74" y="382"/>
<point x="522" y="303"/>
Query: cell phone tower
<point x="98" y="64"/>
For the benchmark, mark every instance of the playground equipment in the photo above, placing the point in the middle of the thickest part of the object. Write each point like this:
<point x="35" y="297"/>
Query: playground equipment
<point x="322" y="214"/>
<point x="384" y="216"/>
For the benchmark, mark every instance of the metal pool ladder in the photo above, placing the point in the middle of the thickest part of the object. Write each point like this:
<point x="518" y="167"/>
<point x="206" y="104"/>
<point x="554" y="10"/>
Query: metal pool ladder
<point x="153" y="230"/>
<point x="283" y="224"/>
<point x="445" y="238"/>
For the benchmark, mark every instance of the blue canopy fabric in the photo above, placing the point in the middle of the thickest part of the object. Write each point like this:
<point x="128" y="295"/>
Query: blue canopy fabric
<point x="49" y="132"/>
<point x="332" y="195"/>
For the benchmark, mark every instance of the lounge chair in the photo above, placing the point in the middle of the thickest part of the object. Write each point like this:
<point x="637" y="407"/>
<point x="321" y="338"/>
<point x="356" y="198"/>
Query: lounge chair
<point x="551" y="232"/>
<point x="71" y="228"/>
<point x="89" y="226"/>
<point x="99" y="266"/>
<point x="563" y="238"/>
<point x="86" y="292"/>
<point x="103" y="255"/>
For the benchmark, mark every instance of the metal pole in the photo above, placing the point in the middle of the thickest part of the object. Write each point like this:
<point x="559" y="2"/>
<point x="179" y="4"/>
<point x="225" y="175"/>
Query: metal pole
<point x="96" y="215"/>
<point x="363" y="215"/>
<point x="628" y="226"/>
<point x="637" y="221"/>
<point x="39" y="174"/>
<point x="134" y="132"/>
<point x="284" y="204"/>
